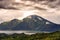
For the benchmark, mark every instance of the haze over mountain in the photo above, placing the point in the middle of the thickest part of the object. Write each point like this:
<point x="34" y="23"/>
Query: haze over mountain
<point x="48" y="9"/>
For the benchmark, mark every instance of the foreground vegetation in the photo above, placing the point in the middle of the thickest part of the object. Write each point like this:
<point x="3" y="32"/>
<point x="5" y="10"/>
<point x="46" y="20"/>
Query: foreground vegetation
<point x="37" y="36"/>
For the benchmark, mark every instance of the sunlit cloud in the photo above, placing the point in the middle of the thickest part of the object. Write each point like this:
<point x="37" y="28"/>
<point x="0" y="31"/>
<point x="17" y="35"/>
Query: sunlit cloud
<point x="27" y="8"/>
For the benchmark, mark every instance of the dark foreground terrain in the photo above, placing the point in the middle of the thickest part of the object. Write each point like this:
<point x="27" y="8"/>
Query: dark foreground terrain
<point x="37" y="36"/>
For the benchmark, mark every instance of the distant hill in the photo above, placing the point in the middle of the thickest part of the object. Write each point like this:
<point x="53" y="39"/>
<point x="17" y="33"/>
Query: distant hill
<point x="32" y="23"/>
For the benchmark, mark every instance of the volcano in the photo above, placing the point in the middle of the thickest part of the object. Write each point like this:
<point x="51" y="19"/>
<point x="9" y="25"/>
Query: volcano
<point x="31" y="23"/>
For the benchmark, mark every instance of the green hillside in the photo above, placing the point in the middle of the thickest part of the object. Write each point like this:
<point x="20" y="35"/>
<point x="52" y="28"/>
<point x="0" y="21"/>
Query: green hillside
<point x="37" y="36"/>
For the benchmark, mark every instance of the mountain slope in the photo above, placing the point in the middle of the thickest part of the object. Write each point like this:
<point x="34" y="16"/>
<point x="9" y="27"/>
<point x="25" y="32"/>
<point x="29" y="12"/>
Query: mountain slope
<point x="9" y="25"/>
<point x="32" y="22"/>
<point x="37" y="23"/>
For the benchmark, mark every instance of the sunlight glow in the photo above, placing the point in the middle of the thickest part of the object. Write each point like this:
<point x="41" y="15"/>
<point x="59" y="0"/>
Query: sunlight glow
<point x="17" y="1"/>
<point x="27" y="13"/>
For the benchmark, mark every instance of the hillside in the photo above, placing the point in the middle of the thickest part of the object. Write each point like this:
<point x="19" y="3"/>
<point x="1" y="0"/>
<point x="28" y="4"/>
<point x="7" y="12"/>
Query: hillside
<point x="37" y="36"/>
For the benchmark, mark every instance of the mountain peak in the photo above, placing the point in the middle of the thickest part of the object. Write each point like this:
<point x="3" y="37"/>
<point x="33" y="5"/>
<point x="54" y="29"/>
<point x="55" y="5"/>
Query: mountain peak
<point x="32" y="22"/>
<point x="33" y="16"/>
<point x="15" y="20"/>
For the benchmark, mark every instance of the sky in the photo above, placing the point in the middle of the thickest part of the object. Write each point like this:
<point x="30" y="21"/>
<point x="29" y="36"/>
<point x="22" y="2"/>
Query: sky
<point x="27" y="8"/>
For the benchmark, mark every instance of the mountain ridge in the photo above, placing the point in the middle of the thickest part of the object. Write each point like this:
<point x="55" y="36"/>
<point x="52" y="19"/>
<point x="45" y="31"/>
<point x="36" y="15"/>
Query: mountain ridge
<point x="32" y="22"/>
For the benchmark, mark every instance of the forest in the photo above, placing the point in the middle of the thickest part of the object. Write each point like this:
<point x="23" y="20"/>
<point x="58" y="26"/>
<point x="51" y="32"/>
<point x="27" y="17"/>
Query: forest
<point x="37" y="36"/>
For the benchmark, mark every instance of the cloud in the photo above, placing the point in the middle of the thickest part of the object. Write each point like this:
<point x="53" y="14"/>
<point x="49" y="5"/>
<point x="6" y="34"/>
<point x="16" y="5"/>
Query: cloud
<point x="51" y="14"/>
<point x="7" y="15"/>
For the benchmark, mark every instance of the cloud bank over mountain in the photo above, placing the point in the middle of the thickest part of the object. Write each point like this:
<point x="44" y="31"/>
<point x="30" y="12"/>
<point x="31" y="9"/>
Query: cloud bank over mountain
<point x="48" y="9"/>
